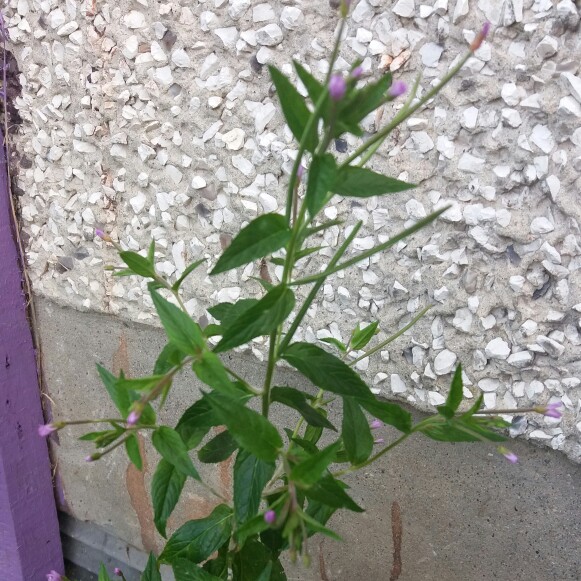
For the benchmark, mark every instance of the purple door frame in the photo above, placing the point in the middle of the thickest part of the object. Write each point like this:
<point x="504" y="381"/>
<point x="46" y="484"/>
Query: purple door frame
<point x="30" y="544"/>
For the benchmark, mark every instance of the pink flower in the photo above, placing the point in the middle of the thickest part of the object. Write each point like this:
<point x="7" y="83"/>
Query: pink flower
<point x="133" y="418"/>
<point x="356" y="72"/>
<point x="46" y="430"/>
<point x="397" y="89"/>
<point x="301" y="171"/>
<point x="270" y="517"/>
<point x="510" y="456"/>
<point x="337" y="87"/>
<point x="54" y="576"/>
<point x="379" y="441"/>
<point x="480" y="37"/>
<point x="551" y="410"/>
<point x="118" y="572"/>
<point x="89" y="458"/>
<point x="102" y="235"/>
<point x="376" y="424"/>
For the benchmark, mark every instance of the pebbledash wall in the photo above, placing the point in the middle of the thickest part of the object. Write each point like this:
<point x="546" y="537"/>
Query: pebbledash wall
<point x="158" y="119"/>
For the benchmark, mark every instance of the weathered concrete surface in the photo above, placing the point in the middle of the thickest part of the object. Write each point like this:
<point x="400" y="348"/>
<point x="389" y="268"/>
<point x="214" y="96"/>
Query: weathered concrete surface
<point x="466" y="513"/>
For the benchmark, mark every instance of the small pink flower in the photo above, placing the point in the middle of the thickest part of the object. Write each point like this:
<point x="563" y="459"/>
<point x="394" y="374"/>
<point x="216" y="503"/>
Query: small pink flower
<point x="357" y="72"/>
<point x="551" y="410"/>
<point x="510" y="456"/>
<point x="480" y="37"/>
<point x="54" y="576"/>
<point x="397" y="89"/>
<point x="379" y="441"/>
<point x="102" y="235"/>
<point x="270" y="517"/>
<point x="46" y="430"/>
<point x="485" y="29"/>
<point x="376" y="425"/>
<point x="90" y="458"/>
<point x="337" y="87"/>
<point x="118" y="572"/>
<point x="301" y="171"/>
<point x="133" y="418"/>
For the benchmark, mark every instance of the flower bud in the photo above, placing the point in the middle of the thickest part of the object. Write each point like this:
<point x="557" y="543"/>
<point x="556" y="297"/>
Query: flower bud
<point x="337" y="87"/>
<point x="102" y="235"/>
<point x="133" y="417"/>
<point x="379" y="441"/>
<point x="357" y="72"/>
<point x="270" y="517"/>
<point x="480" y="37"/>
<point x="46" y="430"/>
<point x="397" y="89"/>
<point x="54" y="576"/>
<point x="551" y="410"/>
<point x="510" y="456"/>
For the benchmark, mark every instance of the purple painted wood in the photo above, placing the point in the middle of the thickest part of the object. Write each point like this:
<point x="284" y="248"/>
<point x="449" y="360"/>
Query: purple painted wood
<point x="29" y="534"/>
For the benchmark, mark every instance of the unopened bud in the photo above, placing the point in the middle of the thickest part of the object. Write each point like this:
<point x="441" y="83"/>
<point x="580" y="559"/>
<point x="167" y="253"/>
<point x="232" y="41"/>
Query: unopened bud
<point x="480" y="37"/>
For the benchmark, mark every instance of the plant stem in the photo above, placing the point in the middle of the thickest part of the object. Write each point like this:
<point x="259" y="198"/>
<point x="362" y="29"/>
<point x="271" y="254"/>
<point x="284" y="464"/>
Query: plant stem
<point x="509" y="411"/>
<point x="393" y="337"/>
<point x="82" y="422"/>
<point x="269" y="373"/>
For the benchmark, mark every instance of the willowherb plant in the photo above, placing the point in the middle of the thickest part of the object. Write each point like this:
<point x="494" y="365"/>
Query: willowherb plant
<point x="284" y="490"/>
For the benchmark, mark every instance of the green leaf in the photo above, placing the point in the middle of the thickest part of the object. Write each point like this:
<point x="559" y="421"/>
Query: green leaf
<point x="331" y="492"/>
<point x="389" y="413"/>
<point x="172" y="448"/>
<point x="356" y="433"/>
<point x="325" y="370"/>
<point x="314" y="88"/>
<point x="361" y="337"/>
<point x="184" y="333"/>
<point x="227" y="313"/>
<point x="265" y="316"/>
<point x="250" y="477"/>
<point x="138" y="264"/>
<point x="220" y="564"/>
<point x="465" y="429"/>
<point x="310" y="470"/>
<point x="198" y="539"/>
<point x="294" y="108"/>
<point x="121" y="398"/>
<point x="321" y="179"/>
<point x="365" y="101"/>
<point x="324" y="226"/>
<point x="190" y="268"/>
<point x="151" y="251"/>
<point x="151" y="572"/>
<point x="475" y="407"/>
<point x="252" y="431"/>
<point x="210" y="370"/>
<point x="218" y="449"/>
<point x="103" y="575"/>
<point x="454" y="397"/>
<point x="250" y="528"/>
<point x="297" y="400"/>
<point x="319" y="511"/>
<point x="360" y="182"/>
<point x="104" y="438"/>
<point x="166" y="487"/>
<point x="169" y="357"/>
<point x="332" y="341"/>
<point x="140" y="383"/>
<point x="196" y="422"/>
<point x="250" y="563"/>
<point x="317" y="527"/>
<point x="185" y="570"/>
<point x="132" y="449"/>
<point x="263" y="236"/>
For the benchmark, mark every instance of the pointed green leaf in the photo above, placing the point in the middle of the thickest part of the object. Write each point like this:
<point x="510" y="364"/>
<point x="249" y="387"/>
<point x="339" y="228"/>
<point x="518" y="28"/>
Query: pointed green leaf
<point x="252" y="431"/>
<point x="293" y="107"/>
<point x="360" y="182"/>
<point x="218" y="449"/>
<point x="103" y="575"/>
<point x="172" y="448"/>
<point x="388" y="412"/>
<point x="151" y="251"/>
<point x="132" y="449"/>
<point x="138" y="264"/>
<point x="196" y="422"/>
<point x="361" y="337"/>
<point x="166" y="487"/>
<point x="210" y="370"/>
<point x="198" y="539"/>
<point x="454" y="397"/>
<point x="151" y="572"/>
<point x="298" y="400"/>
<point x="121" y="397"/>
<point x="169" y="357"/>
<point x="250" y="477"/>
<point x="332" y="341"/>
<point x="263" y="236"/>
<point x="356" y="433"/>
<point x="261" y="319"/>
<point x="475" y="407"/>
<point x="250" y="563"/>
<point x="314" y="88"/>
<point x="185" y="570"/>
<point x="365" y="101"/>
<point x="325" y="370"/>
<point x="227" y="313"/>
<point x="190" y="268"/>
<point x="250" y="528"/>
<point x="140" y="383"/>
<point x="310" y="471"/>
<point x="184" y="333"/>
<point x="331" y="492"/>
<point x="321" y="180"/>
<point x="316" y="527"/>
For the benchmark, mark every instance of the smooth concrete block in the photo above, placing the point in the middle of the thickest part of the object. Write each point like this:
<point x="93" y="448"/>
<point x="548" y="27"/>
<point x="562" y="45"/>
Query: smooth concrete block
<point x="465" y="513"/>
